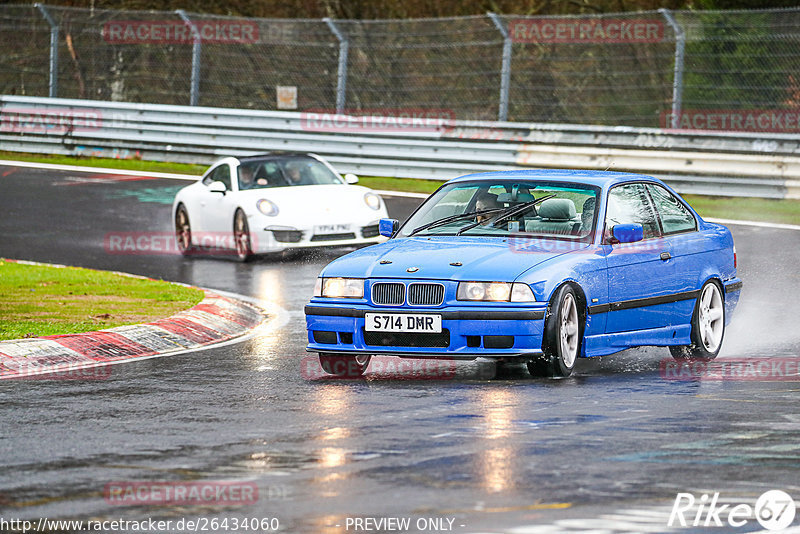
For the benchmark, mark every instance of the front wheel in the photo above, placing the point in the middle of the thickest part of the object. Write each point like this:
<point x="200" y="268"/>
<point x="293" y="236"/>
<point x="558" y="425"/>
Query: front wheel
<point x="344" y="366"/>
<point x="241" y="236"/>
<point x="562" y="336"/>
<point x="708" y="326"/>
<point x="183" y="231"/>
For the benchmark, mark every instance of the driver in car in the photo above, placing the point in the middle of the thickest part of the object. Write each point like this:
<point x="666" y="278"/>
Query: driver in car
<point x="294" y="174"/>
<point x="247" y="178"/>
<point x="485" y="202"/>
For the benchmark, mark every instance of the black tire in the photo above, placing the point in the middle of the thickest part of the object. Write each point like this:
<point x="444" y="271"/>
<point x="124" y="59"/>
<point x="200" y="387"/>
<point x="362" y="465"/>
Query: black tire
<point x="183" y="231"/>
<point x="241" y="237"/>
<point x="563" y="336"/>
<point x="345" y="366"/>
<point x="708" y="325"/>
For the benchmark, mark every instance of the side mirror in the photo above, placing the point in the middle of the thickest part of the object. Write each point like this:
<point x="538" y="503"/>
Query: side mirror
<point x="217" y="187"/>
<point x="388" y="227"/>
<point x="351" y="178"/>
<point x="628" y="233"/>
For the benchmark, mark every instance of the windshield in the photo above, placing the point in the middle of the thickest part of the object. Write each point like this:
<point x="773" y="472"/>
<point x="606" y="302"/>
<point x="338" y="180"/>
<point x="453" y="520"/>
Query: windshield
<point x="505" y="207"/>
<point x="284" y="172"/>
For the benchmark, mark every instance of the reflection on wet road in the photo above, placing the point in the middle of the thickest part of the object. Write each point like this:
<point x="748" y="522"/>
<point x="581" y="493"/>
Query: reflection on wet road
<point x="491" y="448"/>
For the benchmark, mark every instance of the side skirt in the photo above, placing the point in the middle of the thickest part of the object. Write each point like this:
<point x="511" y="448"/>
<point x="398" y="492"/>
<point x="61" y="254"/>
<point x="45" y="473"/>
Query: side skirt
<point x="604" y="344"/>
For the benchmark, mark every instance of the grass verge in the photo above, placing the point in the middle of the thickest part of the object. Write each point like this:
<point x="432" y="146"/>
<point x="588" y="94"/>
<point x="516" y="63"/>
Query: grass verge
<point x="785" y="211"/>
<point x="40" y="300"/>
<point x="122" y="164"/>
<point x="411" y="185"/>
<point x="741" y="208"/>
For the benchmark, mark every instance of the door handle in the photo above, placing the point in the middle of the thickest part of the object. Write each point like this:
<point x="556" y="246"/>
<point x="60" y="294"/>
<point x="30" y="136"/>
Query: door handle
<point x="665" y="256"/>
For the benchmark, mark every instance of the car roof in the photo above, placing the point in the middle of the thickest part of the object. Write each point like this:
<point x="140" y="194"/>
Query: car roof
<point x="257" y="157"/>
<point x="597" y="178"/>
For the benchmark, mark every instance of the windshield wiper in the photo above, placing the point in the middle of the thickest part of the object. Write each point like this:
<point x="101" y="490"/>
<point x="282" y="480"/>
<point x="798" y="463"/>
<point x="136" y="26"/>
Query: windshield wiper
<point x="507" y="212"/>
<point x="451" y="218"/>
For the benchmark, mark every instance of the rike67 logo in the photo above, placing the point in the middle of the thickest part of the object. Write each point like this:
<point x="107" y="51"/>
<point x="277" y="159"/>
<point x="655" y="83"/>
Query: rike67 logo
<point x="774" y="510"/>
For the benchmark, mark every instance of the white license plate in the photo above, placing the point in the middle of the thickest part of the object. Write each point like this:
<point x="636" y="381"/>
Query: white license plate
<point x="322" y="229"/>
<point x="395" y="322"/>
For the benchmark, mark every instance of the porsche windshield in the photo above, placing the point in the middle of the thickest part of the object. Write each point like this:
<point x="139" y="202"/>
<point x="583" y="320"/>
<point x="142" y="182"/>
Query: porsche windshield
<point x="501" y="208"/>
<point x="283" y="172"/>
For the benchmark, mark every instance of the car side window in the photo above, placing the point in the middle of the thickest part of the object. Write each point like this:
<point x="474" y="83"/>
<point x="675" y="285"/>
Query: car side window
<point x="220" y="174"/>
<point x="675" y="217"/>
<point x="628" y="204"/>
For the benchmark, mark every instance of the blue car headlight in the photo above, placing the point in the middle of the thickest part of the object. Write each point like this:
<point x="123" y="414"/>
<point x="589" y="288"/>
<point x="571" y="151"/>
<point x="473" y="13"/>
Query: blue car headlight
<point x="494" y="292"/>
<point x="346" y="288"/>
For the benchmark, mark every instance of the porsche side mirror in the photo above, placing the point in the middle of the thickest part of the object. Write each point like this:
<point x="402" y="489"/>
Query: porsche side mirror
<point x="351" y="178"/>
<point x="628" y="233"/>
<point x="217" y="187"/>
<point x="388" y="227"/>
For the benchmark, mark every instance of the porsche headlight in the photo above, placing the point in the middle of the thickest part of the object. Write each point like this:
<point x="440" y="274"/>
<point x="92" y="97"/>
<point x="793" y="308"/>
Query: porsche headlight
<point x="347" y="288"/>
<point x="267" y="207"/>
<point x="372" y="200"/>
<point x="494" y="292"/>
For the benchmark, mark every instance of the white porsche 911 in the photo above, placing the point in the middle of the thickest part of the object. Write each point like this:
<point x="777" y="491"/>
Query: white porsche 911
<point x="273" y="202"/>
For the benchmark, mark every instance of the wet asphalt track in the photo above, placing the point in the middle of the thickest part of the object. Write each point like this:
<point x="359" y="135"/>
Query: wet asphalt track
<point x="491" y="452"/>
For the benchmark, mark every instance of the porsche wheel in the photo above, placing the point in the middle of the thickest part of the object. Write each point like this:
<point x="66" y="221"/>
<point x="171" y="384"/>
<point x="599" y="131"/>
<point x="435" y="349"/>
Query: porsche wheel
<point x="562" y="337"/>
<point x="344" y="366"/>
<point x="708" y="326"/>
<point x="241" y="236"/>
<point x="183" y="231"/>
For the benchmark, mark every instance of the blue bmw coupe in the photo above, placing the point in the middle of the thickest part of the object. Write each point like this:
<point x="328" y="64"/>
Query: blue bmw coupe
<point x="540" y="266"/>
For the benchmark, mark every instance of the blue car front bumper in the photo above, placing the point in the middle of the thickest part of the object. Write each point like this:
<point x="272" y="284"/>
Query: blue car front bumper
<point x="467" y="332"/>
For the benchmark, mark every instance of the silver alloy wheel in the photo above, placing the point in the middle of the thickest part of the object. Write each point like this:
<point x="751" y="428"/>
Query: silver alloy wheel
<point x="710" y="317"/>
<point x="241" y="234"/>
<point x="568" y="332"/>
<point x="183" y="230"/>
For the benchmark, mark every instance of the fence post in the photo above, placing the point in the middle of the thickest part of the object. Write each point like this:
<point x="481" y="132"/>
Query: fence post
<point x="505" y="72"/>
<point x="196" y="44"/>
<point x="53" y="85"/>
<point x="341" y="78"/>
<point x="677" y="78"/>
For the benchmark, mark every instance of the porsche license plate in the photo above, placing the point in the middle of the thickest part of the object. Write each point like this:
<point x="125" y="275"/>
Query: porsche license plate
<point x="322" y="229"/>
<point x="395" y="322"/>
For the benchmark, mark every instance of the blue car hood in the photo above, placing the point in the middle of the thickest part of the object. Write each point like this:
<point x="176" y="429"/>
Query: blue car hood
<point x="481" y="258"/>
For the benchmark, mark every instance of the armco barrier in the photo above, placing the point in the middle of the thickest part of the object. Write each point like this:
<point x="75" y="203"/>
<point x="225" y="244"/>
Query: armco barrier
<point x="730" y="164"/>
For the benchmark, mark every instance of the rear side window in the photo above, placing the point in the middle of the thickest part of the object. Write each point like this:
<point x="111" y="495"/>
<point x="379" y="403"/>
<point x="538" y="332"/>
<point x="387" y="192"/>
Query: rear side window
<point x="629" y="204"/>
<point x="220" y="174"/>
<point x="675" y="217"/>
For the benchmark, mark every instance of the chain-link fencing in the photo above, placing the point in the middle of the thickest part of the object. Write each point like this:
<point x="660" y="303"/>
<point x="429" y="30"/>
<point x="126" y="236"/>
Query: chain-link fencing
<point x="733" y="70"/>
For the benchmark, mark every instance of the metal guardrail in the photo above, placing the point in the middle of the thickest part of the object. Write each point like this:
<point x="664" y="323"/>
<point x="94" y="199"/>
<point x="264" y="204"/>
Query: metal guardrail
<point x="729" y="164"/>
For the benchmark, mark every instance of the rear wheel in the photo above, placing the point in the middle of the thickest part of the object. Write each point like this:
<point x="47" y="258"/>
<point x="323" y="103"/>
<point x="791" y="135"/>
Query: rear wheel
<point x="183" y="231"/>
<point x="344" y="365"/>
<point x="708" y="326"/>
<point x="562" y="336"/>
<point x="241" y="236"/>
